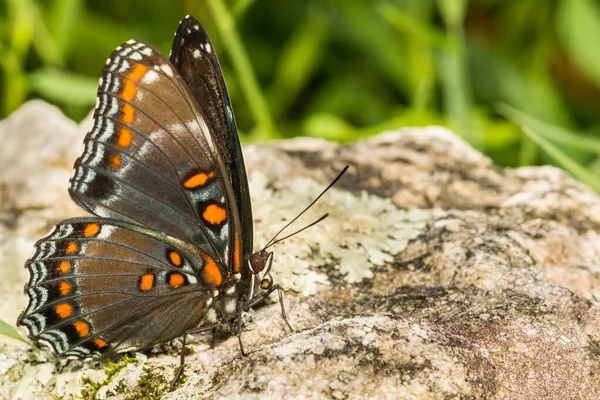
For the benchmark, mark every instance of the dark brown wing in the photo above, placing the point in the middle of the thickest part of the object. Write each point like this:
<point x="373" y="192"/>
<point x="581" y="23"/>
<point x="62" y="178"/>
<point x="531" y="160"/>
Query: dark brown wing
<point x="150" y="159"/>
<point x="100" y="286"/>
<point x="194" y="56"/>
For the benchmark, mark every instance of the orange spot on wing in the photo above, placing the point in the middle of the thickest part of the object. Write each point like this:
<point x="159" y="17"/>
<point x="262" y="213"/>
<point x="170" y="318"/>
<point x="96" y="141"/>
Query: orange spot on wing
<point x="214" y="214"/>
<point x="127" y="113"/>
<point x="82" y="328"/>
<point x="125" y="137"/>
<point x="129" y="91"/>
<point x="138" y="72"/>
<point x="64" y="267"/>
<point x="212" y="274"/>
<point x="176" y="280"/>
<point x="115" y="161"/>
<point x="130" y="88"/>
<point x="236" y="254"/>
<point x="100" y="343"/>
<point x="64" y="288"/>
<point x="146" y="282"/>
<point x="71" y="248"/>
<point x="91" y="230"/>
<point x="175" y="258"/>
<point x="63" y="310"/>
<point x="197" y="180"/>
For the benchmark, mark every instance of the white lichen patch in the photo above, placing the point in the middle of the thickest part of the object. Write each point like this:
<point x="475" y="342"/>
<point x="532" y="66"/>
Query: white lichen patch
<point x="360" y="233"/>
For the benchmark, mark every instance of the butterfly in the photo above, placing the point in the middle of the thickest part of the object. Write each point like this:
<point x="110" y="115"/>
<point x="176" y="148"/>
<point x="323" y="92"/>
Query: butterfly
<point x="169" y="249"/>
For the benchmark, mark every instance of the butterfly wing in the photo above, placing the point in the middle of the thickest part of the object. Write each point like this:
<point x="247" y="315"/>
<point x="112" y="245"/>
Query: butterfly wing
<point x="100" y="286"/>
<point x="194" y="56"/>
<point x="150" y="158"/>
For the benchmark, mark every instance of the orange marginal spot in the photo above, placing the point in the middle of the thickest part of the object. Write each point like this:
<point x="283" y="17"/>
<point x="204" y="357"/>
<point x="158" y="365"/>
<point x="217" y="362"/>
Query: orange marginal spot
<point x="214" y="214"/>
<point x="91" y="230"/>
<point x="236" y="254"/>
<point x="176" y="280"/>
<point x="127" y="112"/>
<point x="175" y="258"/>
<point x="197" y="180"/>
<point x="124" y="139"/>
<point x="115" y="161"/>
<point x="71" y="248"/>
<point x="138" y="72"/>
<point x="146" y="282"/>
<point x="82" y="328"/>
<point x="100" y="343"/>
<point x="130" y="88"/>
<point x="129" y="91"/>
<point x="64" y="288"/>
<point x="63" y="310"/>
<point x="64" y="267"/>
<point x="212" y="274"/>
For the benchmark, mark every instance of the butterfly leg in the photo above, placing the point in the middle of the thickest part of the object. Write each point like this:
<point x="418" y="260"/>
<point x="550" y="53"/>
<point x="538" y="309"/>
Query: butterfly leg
<point x="266" y="294"/>
<point x="181" y="362"/>
<point x="213" y="341"/>
<point x="241" y="308"/>
<point x="283" y="314"/>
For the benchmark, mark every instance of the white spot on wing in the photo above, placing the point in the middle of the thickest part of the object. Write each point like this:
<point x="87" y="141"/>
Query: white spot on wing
<point x="196" y="53"/>
<point x="150" y="77"/>
<point x="208" y="48"/>
<point x="167" y="70"/>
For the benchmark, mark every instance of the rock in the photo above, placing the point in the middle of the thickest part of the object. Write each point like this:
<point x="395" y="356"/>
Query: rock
<point x="437" y="275"/>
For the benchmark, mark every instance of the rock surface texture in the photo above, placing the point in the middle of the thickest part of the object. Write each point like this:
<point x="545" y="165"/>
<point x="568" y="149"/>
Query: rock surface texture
<point x="438" y="275"/>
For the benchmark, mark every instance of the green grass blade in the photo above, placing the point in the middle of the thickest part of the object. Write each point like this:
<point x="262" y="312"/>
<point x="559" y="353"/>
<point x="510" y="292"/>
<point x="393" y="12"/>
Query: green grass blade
<point x="579" y="28"/>
<point x="454" y="74"/>
<point x="64" y="87"/>
<point x="64" y="15"/>
<point x="240" y="8"/>
<point x="9" y="331"/>
<point x="299" y="59"/>
<point x="416" y="29"/>
<point x="552" y="132"/>
<point x="243" y="68"/>
<point x="43" y="42"/>
<point x="574" y="168"/>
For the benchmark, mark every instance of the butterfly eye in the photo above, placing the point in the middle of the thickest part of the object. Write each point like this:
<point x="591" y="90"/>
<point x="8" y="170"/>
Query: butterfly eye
<point x="256" y="263"/>
<point x="266" y="283"/>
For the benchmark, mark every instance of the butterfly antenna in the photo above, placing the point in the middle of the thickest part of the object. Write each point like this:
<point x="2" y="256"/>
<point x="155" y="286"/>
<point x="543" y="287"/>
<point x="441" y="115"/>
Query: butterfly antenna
<point x="337" y="178"/>
<point x="298" y="231"/>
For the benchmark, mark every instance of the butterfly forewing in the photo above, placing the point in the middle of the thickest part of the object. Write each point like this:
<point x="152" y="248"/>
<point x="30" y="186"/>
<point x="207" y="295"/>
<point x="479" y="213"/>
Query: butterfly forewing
<point x="100" y="286"/>
<point x="149" y="158"/>
<point x="194" y="56"/>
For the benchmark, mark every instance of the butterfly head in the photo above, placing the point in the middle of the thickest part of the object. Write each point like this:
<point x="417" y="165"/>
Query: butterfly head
<point x="260" y="266"/>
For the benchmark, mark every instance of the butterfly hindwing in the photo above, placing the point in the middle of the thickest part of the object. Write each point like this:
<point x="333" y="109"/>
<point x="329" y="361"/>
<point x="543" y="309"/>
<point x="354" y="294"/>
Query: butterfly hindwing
<point x="194" y="56"/>
<point x="149" y="158"/>
<point x="101" y="286"/>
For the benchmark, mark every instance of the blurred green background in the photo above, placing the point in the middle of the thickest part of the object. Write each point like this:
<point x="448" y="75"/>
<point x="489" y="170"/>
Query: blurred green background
<point x="519" y="80"/>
